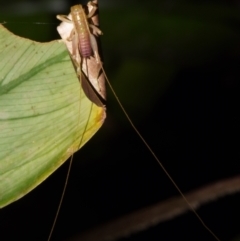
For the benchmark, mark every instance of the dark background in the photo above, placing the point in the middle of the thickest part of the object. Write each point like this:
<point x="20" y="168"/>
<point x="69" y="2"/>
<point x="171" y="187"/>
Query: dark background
<point x="175" y="66"/>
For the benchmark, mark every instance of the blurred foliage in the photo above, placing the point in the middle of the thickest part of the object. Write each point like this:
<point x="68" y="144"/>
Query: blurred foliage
<point x="145" y="47"/>
<point x="236" y="239"/>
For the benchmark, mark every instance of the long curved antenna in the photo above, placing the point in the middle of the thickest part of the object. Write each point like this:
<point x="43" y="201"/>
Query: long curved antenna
<point x="61" y="199"/>
<point x="159" y="162"/>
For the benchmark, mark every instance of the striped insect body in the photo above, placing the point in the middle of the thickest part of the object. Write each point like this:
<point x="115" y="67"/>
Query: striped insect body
<point x="79" y="31"/>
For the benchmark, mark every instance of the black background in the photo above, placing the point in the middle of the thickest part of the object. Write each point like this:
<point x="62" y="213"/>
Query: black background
<point x="175" y="66"/>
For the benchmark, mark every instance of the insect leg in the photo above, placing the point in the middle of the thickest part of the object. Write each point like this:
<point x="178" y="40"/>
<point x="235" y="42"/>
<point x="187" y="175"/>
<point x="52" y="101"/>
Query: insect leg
<point x="95" y="48"/>
<point x="93" y="9"/>
<point x="74" y="37"/>
<point x="96" y="30"/>
<point x="64" y="18"/>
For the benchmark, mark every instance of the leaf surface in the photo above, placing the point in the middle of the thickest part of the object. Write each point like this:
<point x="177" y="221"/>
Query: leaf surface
<point x="44" y="114"/>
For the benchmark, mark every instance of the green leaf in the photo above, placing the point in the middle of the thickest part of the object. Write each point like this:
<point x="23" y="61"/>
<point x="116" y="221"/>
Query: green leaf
<point x="44" y="114"/>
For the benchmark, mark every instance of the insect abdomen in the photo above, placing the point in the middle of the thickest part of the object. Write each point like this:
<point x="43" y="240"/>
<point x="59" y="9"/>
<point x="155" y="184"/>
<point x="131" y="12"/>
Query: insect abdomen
<point x="82" y="30"/>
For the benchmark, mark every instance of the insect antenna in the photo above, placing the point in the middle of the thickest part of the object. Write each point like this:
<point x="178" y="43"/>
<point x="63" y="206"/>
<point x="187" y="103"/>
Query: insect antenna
<point x="61" y="198"/>
<point x="157" y="159"/>
<point x="87" y="88"/>
<point x="79" y="21"/>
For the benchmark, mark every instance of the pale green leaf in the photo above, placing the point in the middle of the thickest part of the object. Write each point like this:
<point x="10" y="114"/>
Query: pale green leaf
<point x="44" y="114"/>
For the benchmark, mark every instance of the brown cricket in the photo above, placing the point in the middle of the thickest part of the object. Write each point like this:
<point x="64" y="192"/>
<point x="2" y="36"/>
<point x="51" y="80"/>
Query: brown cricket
<point x="84" y="48"/>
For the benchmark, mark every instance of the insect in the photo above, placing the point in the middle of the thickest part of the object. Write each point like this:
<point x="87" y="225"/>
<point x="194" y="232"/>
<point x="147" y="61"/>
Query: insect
<point x="79" y="32"/>
<point x="80" y="37"/>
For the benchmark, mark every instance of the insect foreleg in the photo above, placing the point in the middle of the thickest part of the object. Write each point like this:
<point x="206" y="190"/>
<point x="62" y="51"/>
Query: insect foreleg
<point x="74" y="37"/>
<point x="93" y="9"/>
<point x="95" y="48"/>
<point x="96" y="30"/>
<point x="64" y="18"/>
